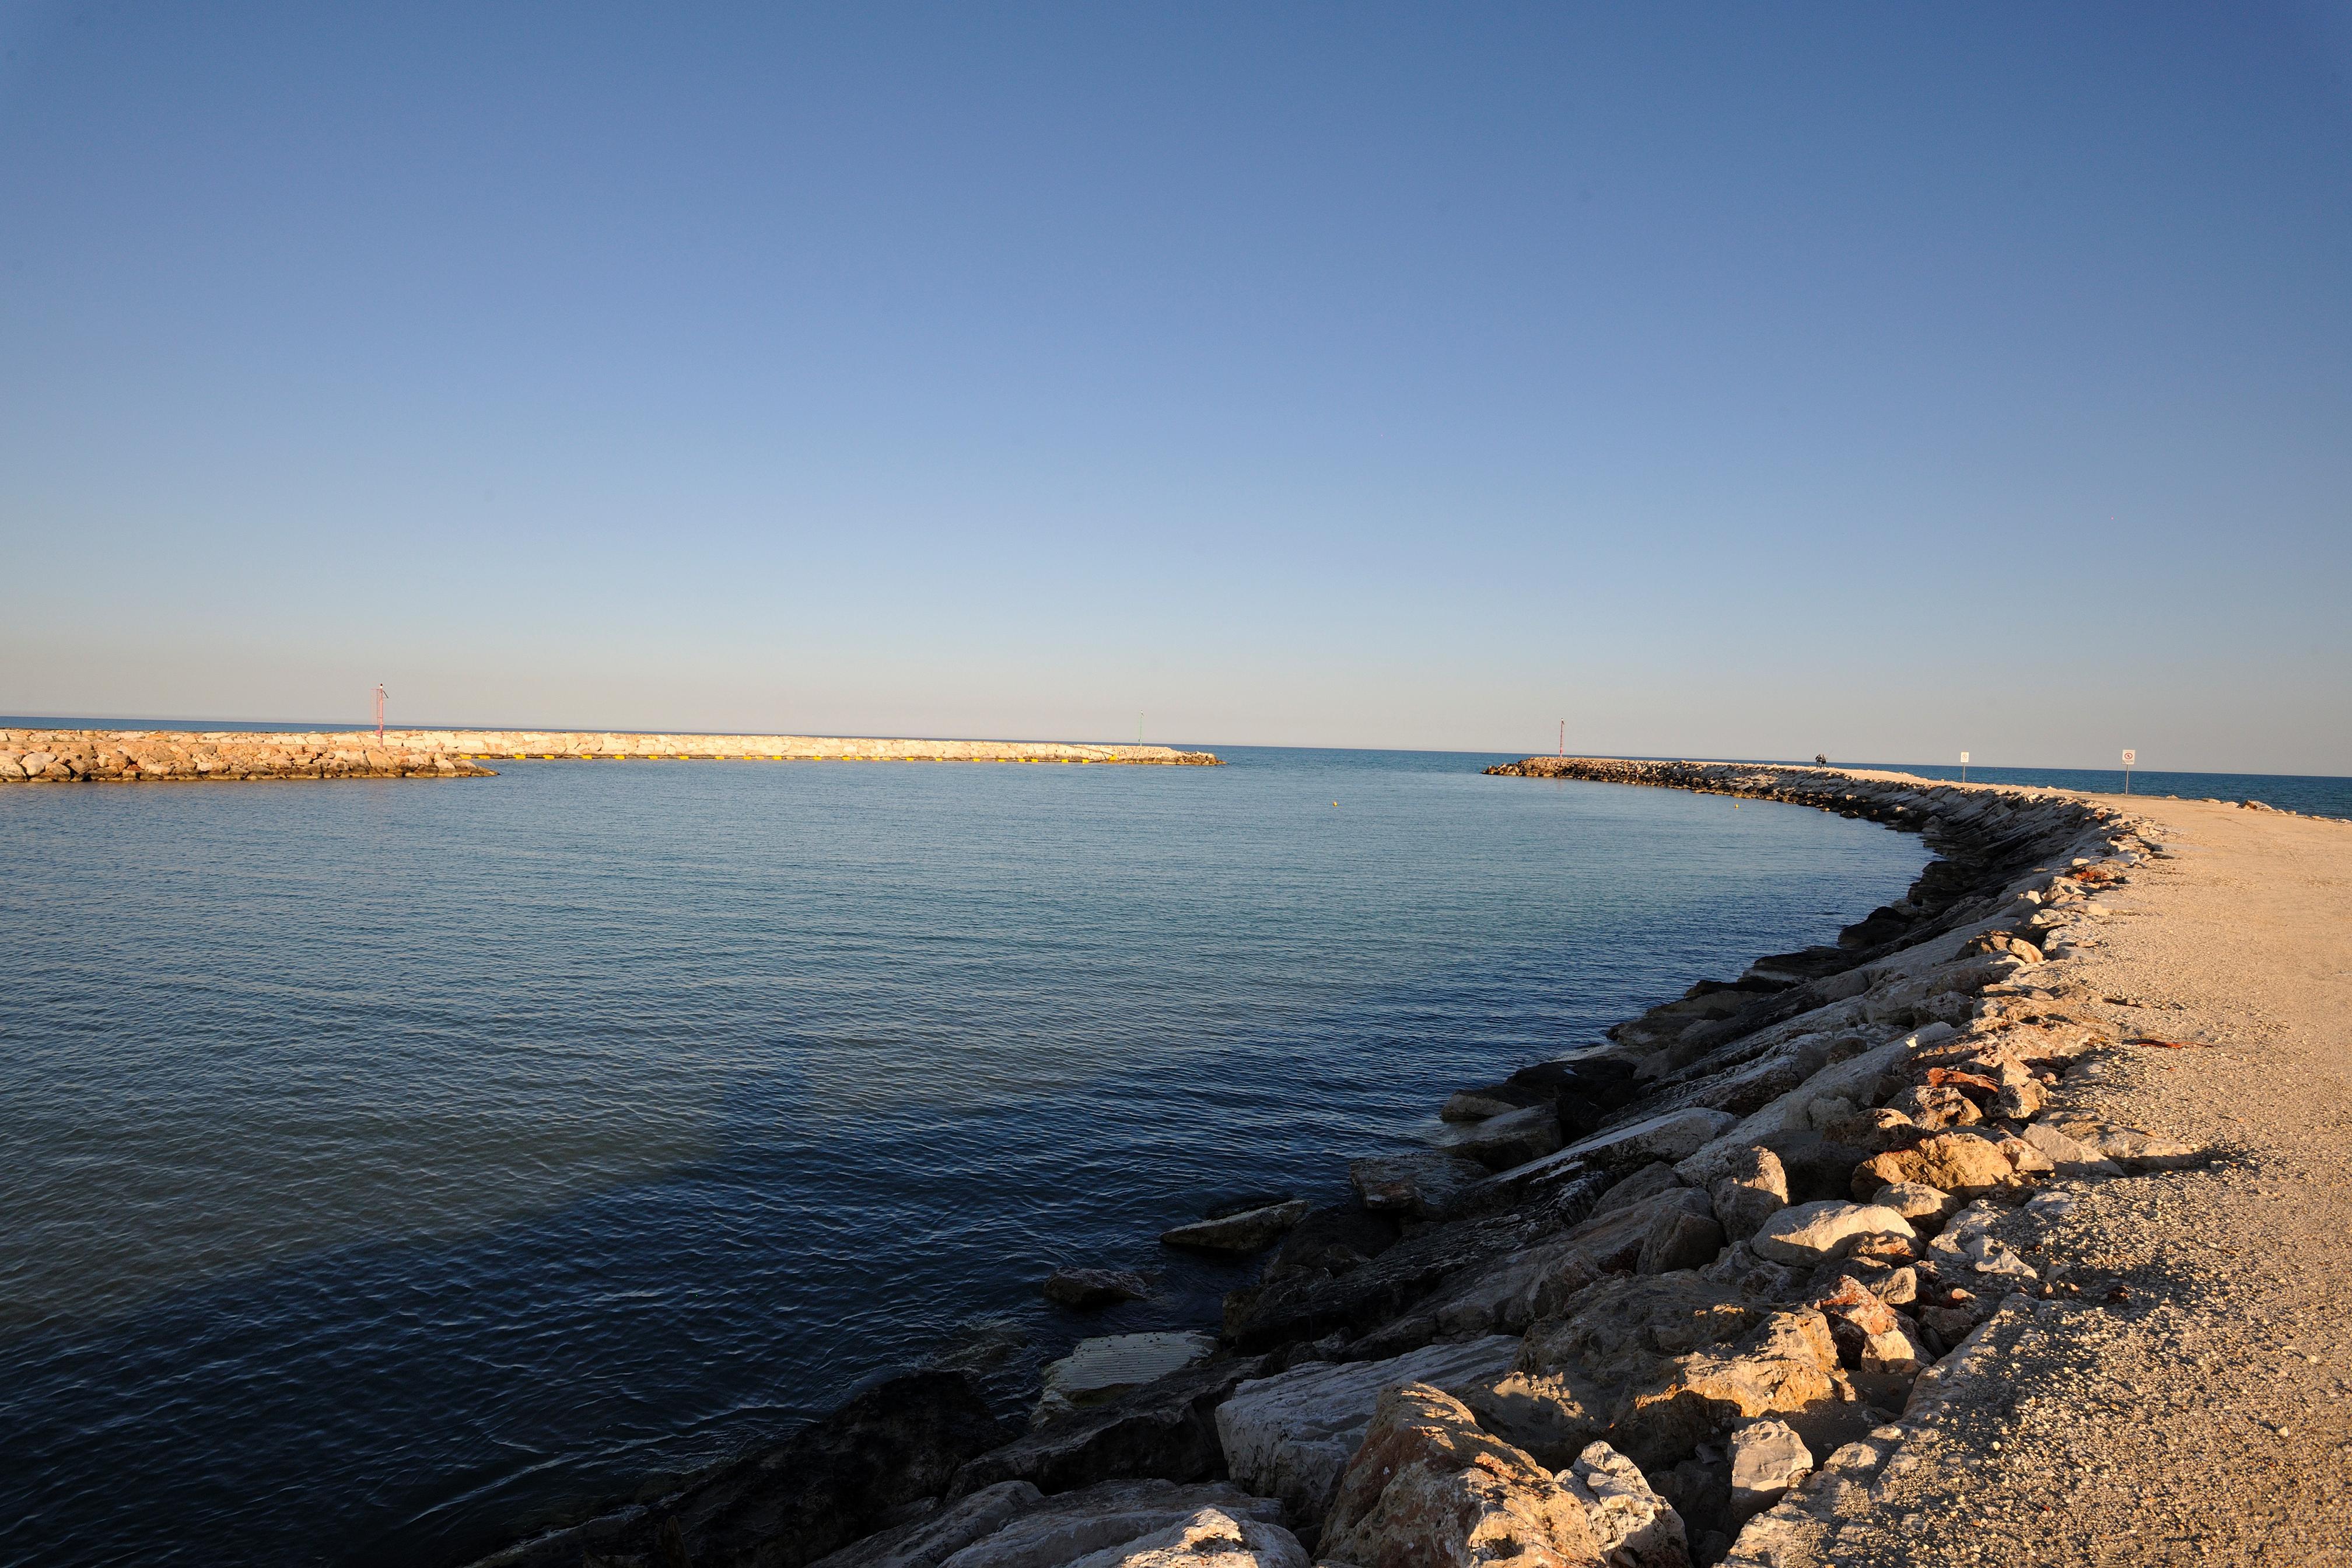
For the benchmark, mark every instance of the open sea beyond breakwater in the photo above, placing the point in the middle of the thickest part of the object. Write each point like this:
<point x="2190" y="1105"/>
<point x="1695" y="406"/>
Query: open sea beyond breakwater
<point x="392" y="1165"/>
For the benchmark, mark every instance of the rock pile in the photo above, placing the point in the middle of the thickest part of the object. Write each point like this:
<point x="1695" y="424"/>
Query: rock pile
<point x="77" y="756"/>
<point x="1664" y="1305"/>
<point x="131" y="756"/>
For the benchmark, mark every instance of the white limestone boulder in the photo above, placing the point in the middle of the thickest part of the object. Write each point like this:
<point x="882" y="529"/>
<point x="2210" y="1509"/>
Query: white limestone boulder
<point x="1859" y="1079"/>
<point x="1212" y="1538"/>
<point x="1290" y="1435"/>
<point x="1924" y="1206"/>
<point x="1100" y="1370"/>
<point x="1752" y="1191"/>
<point x="1632" y="1524"/>
<point x="1768" y="1458"/>
<point x="1671" y="1136"/>
<point x="1428" y="1487"/>
<point x="1824" y="1231"/>
<point x="1117" y="1517"/>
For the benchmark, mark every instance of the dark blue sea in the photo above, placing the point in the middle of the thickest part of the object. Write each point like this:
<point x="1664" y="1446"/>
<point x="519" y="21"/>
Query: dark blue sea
<point x="390" y="1164"/>
<point x="2314" y="795"/>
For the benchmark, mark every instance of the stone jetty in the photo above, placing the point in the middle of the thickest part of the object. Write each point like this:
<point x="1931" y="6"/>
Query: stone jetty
<point x="74" y="756"/>
<point x="1877" y="1252"/>
<point x="179" y="756"/>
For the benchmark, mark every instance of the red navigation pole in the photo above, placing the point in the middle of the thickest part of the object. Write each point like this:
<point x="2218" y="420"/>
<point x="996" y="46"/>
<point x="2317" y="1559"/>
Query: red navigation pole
<point x="1563" y="738"/>
<point x="379" y="713"/>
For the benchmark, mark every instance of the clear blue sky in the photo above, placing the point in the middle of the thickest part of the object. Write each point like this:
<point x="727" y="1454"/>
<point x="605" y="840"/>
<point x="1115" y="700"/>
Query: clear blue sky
<point x="1740" y="380"/>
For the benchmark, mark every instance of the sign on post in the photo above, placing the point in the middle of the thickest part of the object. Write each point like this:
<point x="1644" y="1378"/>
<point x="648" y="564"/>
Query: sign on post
<point x="1963" y="767"/>
<point x="2130" y="758"/>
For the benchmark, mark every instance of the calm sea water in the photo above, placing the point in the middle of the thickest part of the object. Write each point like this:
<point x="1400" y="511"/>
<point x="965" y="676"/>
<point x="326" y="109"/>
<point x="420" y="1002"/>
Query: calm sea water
<point x="392" y="1164"/>
<point x="2310" y="793"/>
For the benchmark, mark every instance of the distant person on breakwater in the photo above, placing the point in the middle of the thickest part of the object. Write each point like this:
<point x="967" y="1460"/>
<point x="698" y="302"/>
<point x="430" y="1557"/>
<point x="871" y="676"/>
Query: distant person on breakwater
<point x="1820" y="759"/>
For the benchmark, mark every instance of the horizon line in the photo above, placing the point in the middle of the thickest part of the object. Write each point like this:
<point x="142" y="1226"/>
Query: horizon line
<point x="88" y="721"/>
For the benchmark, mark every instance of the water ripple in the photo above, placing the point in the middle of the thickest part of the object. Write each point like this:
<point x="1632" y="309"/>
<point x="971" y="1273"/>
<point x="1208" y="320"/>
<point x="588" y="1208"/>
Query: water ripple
<point x="393" y="1164"/>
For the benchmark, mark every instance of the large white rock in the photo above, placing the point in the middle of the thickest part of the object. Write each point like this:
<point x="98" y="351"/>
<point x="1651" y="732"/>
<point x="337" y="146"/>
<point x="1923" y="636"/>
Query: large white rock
<point x="1924" y="1206"/>
<point x="1100" y="1369"/>
<point x="1633" y="1525"/>
<point x="1514" y="1290"/>
<point x="1821" y="1232"/>
<point x="1858" y="1079"/>
<point x="2066" y="1156"/>
<point x="1291" y="1436"/>
<point x="1897" y="1350"/>
<point x="1115" y="1517"/>
<point x="1209" y="1539"/>
<point x="1768" y="1458"/>
<point x="2131" y="1148"/>
<point x="1668" y="1136"/>
<point x="1429" y="1487"/>
<point x="1751" y="1192"/>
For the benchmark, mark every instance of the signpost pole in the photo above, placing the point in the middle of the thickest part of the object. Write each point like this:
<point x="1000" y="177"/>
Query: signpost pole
<point x="1963" y="767"/>
<point x="2130" y="758"/>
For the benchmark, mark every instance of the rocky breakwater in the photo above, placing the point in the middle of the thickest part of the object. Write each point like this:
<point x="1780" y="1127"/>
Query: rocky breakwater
<point x="1676" y="1300"/>
<point x="137" y="756"/>
<point x="583" y="745"/>
<point x="84" y="756"/>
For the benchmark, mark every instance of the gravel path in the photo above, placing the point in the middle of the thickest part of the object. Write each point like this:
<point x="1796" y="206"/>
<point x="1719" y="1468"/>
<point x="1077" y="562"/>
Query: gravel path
<point x="2184" y="1394"/>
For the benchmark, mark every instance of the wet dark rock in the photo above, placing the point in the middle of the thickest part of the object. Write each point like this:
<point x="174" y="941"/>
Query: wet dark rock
<point x="1332" y="1240"/>
<point x="1242" y="1202"/>
<point x="1085" y="1288"/>
<point x="1717" y="987"/>
<point x="1610" y="1078"/>
<point x="1494" y="1099"/>
<point x="1788" y="969"/>
<point x="1238" y="1231"/>
<point x="1667" y="1023"/>
<point x="1166" y="1429"/>
<point x="1585" y="1091"/>
<point x="836" y="1479"/>
<point x="979" y="1349"/>
<point x="1427" y="1185"/>
<point x="942" y="1532"/>
<point x="1304" y="1307"/>
<point x="1514" y="1138"/>
<point x="1884" y="924"/>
